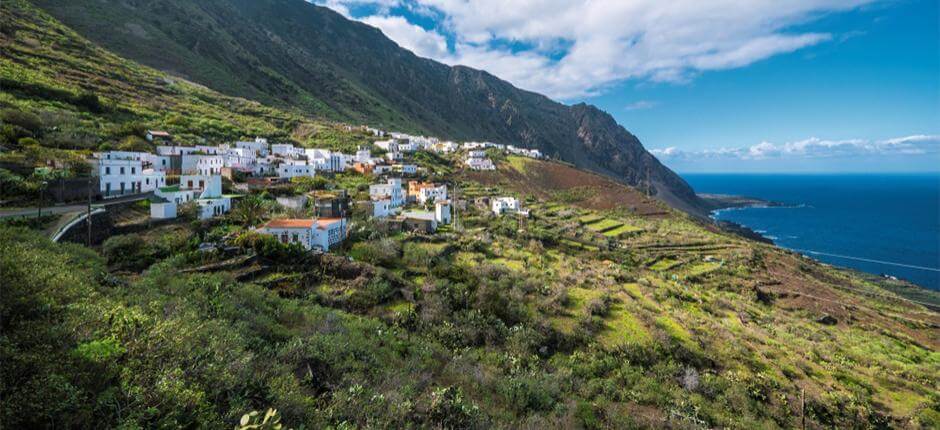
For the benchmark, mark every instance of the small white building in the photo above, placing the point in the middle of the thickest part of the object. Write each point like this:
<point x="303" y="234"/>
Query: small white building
<point x="405" y="169"/>
<point x="293" y="170"/>
<point x="501" y="205"/>
<point x="363" y="156"/>
<point x="390" y="145"/>
<point x="156" y="135"/>
<point x="259" y="146"/>
<point x="286" y="150"/>
<point x="438" y="194"/>
<point x="122" y="172"/>
<point x="201" y="164"/>
<point x="381" y="207"/>
<point x="442" y="212"/>
<point x="326" y="160"/>
<point x="392" y="189"/>
<point x="480" y="164"/>
<point x="322" y="234"/>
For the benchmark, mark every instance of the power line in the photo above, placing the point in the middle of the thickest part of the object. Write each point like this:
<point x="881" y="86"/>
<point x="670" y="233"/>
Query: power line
<point x="849" y="257"/>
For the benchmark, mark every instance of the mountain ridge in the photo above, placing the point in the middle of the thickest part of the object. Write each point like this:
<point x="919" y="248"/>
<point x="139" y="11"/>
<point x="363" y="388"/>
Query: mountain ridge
<point x="290" y="53"/>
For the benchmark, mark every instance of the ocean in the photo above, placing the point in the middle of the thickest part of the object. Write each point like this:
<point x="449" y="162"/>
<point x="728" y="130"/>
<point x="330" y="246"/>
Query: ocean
<point x="878" y="223"/>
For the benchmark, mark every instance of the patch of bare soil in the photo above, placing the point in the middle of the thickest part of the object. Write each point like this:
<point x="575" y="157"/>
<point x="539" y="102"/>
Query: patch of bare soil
<point x="545" y="179"/>
<point x="834" y="300"/>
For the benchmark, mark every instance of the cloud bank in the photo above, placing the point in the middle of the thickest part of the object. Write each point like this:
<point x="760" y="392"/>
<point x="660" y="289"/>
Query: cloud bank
<point x="812" y="148"/>
<point x="575" y="48"/>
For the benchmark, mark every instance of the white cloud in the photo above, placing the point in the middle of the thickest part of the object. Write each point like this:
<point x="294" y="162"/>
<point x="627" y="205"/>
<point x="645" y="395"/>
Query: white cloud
<point x="812" y="148"/>
<point x="574" y="48"/>
<point x="409" y="36"/>
<point x="641" y="105"/>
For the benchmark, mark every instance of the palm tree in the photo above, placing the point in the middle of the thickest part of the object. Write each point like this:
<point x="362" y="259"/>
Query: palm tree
<point x="250" y="211"/>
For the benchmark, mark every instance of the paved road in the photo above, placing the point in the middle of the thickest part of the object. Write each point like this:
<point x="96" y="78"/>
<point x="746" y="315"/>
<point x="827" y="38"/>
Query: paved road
<point x="58" y="210"/>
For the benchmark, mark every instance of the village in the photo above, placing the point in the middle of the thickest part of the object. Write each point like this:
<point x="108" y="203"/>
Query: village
<point x="192" y="177"/>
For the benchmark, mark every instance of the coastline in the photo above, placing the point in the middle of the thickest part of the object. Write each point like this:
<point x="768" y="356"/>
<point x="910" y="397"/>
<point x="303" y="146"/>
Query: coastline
<point x="907" y="289"/>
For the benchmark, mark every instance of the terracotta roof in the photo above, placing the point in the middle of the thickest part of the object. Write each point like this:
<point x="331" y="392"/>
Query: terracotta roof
<point x="290" y="223"/>
<point x="322" y="223"/>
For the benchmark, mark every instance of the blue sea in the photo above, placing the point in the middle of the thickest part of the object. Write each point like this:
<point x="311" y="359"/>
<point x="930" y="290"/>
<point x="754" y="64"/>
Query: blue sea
<point x="878" y="223"/>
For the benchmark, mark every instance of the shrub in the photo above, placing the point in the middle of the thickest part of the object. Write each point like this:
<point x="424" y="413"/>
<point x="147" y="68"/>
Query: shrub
<point x="129" y="251"/>
<point x="267" y="246"/>
<point x="450" y="410"/>
<point x="26" y="120"/>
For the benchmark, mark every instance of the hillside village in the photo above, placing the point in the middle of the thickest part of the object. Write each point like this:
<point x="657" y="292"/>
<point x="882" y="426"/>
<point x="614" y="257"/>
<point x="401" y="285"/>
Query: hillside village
<point x="328" y="275"/>
<point x="179" y="175"/>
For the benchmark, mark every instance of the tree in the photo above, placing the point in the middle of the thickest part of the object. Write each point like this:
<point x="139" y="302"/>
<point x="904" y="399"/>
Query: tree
<point x="250" y="211"/>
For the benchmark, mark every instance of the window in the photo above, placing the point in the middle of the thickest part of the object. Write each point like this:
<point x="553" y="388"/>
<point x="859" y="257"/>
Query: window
<point x="133" y="170"/>
<point x="122" y="170"/>
<point x="189" y="184"/>
<point x="283" y="237"/>
<point x="163" y="161"/>
<point x="148" y="181"/>
<point x="107" y="170"/>
<point x="202" y="184"/>
<point x="295" y="237"/>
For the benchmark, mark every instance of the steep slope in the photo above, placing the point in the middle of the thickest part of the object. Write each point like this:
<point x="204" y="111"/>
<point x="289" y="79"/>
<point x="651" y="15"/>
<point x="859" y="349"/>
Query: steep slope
<point x="294" y="54"/>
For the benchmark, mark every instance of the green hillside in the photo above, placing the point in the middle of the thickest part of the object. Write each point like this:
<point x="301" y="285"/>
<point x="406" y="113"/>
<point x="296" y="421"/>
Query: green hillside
<point x="603" y="309"/>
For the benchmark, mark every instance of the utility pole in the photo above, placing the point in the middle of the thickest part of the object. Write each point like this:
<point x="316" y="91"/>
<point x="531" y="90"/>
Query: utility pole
<point x="88" y="213"/>
<point x="42" y="197"/>
<point x="803" y="408"/>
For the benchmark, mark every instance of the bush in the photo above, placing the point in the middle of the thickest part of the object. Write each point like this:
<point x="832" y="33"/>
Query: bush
<point x="383" y="252"/>
<point x="129" y="251"/>
<point x="90" y="102"/>
<point x="268" y="247"/>
<point x="450" y="410"/>
<point x="306" y="184"/>
<point x="27" y="120"/>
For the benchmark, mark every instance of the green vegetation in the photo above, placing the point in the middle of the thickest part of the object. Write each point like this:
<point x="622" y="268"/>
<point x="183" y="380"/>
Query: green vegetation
<point x="559" y="320"/>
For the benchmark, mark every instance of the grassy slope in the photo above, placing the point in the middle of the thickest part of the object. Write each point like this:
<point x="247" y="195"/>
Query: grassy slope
<point x="681" y="299"/>
<point x="43" y="62"/>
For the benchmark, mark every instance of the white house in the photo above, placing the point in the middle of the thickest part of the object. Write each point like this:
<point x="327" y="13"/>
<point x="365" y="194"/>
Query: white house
<point x="501" y="205"/>
<point x="240" y="158"/>
<point x="381" y="207"/>
<point x="405" y="169"/>
<point x="153" y="135"/>
<point x="476" y="154"/>
<point x="286" y="150"/>
<point x="292" y="170"/>
<point x="438" y="194"/>
<point x="208" y="189"/>
<point x="480" y="164"/>
<point x="326" y="160"/>
<point x="390" y="145"/>
<point x="199" y="164"/>
<point x="381" y="169"/>
<point x="322" y="234"/>
<point x="175" y="150"/>
<point x="210" y="150"/>
<point x="259" y="146"/>
<point x="442" y="211"/>
<point x="392" y="189"/>
<point x="363" y="156"/>
<point x="122" y="172"/>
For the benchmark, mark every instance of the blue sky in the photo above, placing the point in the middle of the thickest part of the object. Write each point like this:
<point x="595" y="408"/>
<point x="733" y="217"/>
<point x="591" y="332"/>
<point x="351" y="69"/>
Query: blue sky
<point x="723" y="85"/>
